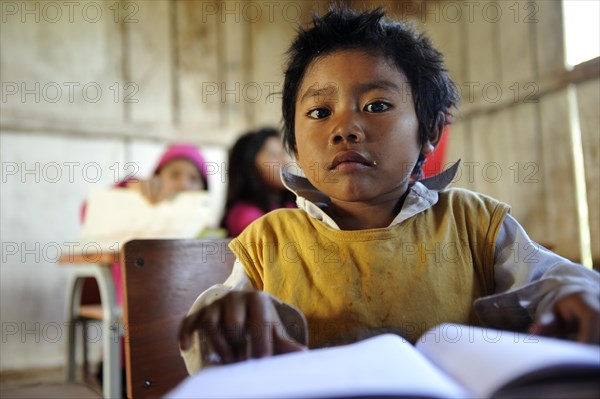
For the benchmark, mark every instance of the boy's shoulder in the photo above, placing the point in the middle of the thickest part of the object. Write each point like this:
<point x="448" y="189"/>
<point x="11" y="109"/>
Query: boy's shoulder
<point x="460" y="193"/>
<point x="278" y="219"/>
<point x="457" y="198"/>
<point x="284" y="213"/>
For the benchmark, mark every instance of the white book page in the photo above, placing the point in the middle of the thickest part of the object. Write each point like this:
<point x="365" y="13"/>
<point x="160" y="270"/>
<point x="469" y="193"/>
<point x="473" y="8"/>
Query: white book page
<point x="116" y="215"/>
<point x="383" y="365"/>
<point x="484" y="360"/>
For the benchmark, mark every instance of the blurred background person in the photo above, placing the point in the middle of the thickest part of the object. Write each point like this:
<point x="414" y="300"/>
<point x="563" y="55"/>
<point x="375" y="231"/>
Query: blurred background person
<point x="254" y="184"/>
<point x="181" y="168"/>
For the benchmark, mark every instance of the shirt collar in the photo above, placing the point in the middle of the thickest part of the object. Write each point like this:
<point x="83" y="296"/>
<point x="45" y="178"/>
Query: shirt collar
<point x="422" y="195"/>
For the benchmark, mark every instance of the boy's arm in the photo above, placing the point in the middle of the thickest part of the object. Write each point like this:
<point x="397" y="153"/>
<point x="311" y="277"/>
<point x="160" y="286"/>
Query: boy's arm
<point x="535" y="284"/>
<point x="198" y="353"/>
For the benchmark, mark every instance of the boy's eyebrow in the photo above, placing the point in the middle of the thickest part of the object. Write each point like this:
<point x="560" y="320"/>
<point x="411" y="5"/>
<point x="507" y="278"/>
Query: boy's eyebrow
<point x="316" y="91"/>
<point x="379" y="84"/>
<point x="329" y="89"/>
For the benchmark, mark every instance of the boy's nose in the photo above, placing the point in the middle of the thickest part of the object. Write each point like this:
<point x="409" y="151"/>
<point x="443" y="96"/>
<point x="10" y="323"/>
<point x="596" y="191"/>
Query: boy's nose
<point x="348" y="130"/>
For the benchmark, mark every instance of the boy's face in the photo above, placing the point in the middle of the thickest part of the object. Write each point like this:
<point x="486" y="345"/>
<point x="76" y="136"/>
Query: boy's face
<point x="356" y="128"/>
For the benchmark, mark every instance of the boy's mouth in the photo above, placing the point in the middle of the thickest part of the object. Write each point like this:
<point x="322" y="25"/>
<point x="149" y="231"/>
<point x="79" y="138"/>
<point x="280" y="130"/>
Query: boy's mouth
<point x="350" y="157"/>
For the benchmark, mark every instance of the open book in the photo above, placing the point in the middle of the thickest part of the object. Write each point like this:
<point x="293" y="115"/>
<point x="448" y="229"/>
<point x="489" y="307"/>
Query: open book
<point x="449" y="361"/>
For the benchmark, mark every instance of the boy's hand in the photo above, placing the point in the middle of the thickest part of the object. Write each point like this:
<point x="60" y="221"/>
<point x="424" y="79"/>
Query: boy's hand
<point x="573" y="317"/>
<point x="239" y="326"/>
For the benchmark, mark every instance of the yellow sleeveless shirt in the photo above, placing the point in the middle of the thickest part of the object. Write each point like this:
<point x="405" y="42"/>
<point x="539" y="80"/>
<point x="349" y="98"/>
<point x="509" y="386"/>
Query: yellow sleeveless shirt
<point x="402" y="279"/>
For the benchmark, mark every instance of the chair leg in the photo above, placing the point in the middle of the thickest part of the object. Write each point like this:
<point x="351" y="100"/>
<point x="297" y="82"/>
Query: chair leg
<point x="72" y="321"/>
<point x="70" y="368"/>
<point x="86" y="370"/>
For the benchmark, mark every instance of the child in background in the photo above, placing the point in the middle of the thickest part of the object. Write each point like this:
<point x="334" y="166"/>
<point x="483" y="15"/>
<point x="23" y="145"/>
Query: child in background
<point x="180" y="168"/>
<point x="254" y="186"/>
<point x="370" y="251"/>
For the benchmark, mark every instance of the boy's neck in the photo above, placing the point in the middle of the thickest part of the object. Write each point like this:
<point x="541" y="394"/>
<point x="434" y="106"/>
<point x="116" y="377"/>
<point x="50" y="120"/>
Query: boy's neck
<point x="364" y="216"/>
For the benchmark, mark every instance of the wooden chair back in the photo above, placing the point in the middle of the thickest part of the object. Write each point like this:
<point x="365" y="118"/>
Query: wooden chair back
<point x="161" y="280"/>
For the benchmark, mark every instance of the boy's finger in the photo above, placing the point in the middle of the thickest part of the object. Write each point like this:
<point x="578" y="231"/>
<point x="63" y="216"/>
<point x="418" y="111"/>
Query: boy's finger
<point x="185" y="331"/>
<point x="212" y="330"/>
<point x="260" y="319"/>
<point x="233" y="322"/>
<point x="188" y="327"/>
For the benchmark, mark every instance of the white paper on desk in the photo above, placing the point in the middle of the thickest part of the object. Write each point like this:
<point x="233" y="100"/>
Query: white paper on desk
<point x="383" y="365"/>
<point x="118" y="215"/>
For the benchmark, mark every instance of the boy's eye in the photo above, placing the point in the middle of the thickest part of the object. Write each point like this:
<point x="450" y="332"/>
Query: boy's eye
<point x="378" y="106"/>
<point x="319" y="113"/>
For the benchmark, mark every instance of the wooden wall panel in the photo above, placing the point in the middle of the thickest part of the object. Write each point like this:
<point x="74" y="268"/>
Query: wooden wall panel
<point x="460" y="146"/>
<point x="521" y="158"/>
<point x="492" y="144"/>
<point x="271" y="38"/>
<point x="515" y="42"/>
<point x="448" y="36"/>
<point x="482" y="71"/>
<point x="59" y="67"/>
<point x="523" y="169"/>
<point x="449" y="42"/>
<point x="558" y="174"/>
<point x="482" y="61"/>
<point x="549" y="38"/>
<point x="150" y="62"/>
<point x="588" y="97"/>
<point x="235" y="66"/>
<point x="198" y="73"/>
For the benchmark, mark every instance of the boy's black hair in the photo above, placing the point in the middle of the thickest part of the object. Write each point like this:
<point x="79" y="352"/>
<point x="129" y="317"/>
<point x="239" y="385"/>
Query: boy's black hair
<point x="434" y="94"/>
<point x="244" y="181"/>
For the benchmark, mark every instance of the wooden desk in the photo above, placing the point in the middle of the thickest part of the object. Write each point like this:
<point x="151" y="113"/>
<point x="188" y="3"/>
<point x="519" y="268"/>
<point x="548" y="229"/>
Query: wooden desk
<point x="97" y="266"/>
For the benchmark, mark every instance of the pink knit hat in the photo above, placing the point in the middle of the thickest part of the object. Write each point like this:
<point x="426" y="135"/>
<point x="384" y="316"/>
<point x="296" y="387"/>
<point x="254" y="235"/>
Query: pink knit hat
<point x="183" y="151"/>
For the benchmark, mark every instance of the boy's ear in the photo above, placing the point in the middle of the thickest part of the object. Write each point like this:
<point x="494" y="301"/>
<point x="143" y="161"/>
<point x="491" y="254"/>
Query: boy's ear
<point x="432" y="141"/>
<point x="430" y="144"/>
<point x="427" y="148"/>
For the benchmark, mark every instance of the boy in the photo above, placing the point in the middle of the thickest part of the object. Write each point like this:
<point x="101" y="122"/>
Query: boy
<point x="364" y="101"/>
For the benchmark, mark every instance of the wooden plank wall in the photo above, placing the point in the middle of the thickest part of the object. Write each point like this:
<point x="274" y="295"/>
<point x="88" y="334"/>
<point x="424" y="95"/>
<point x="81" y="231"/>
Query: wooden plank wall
<point x="200" y="70"/>
<point x="588" y="98"/>
<point x="513" y="129"/>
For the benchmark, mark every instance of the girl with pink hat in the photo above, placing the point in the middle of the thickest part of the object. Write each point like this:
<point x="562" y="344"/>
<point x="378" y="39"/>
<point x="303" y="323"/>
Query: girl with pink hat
<point x="181" y="168"/>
